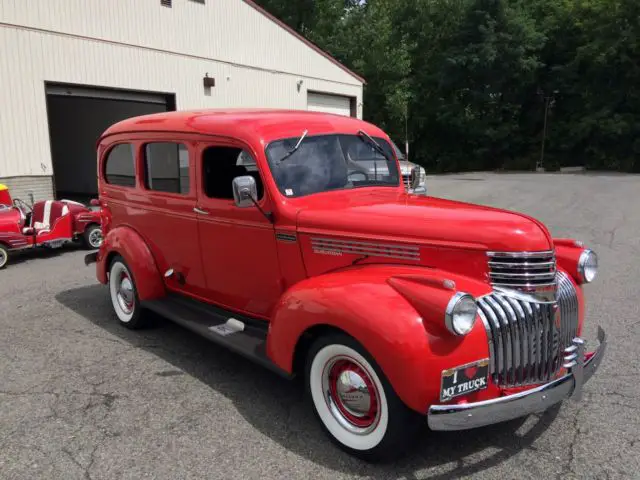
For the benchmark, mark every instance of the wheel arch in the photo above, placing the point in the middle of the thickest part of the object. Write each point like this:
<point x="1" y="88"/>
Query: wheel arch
<point x="379" y="307"/>
<point x="306" y="340"/>
<point x="127" y="243"/>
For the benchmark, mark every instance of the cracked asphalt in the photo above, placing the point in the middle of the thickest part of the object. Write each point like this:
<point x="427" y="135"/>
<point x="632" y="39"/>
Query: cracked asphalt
<point x="82" y="398"/>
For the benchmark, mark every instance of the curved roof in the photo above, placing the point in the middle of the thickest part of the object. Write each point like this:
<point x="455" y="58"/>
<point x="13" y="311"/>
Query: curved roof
<point x="248" y="124"/>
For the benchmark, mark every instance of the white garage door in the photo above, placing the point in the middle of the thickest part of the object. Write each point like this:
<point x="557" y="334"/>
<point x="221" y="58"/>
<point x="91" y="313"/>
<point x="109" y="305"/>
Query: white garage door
<point x="323" y="102"/>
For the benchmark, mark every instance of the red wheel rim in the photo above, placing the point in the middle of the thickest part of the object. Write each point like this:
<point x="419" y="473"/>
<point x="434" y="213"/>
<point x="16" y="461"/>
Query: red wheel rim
<point x="353" y="392"/>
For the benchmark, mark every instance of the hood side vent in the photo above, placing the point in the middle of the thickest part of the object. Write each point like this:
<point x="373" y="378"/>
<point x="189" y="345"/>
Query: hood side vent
<point x="331" y="246"/>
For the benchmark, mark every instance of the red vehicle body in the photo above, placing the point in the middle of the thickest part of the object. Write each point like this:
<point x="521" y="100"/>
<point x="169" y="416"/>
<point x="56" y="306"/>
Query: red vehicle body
<point x="46" y="224"/>
<point x="391" y="305"/>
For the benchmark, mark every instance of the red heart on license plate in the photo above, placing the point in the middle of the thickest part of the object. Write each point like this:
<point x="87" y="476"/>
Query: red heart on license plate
<point x="470" y="372"/>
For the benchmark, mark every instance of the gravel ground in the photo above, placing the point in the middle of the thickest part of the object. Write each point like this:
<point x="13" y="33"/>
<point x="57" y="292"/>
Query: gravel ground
<point x="81" y="397"/>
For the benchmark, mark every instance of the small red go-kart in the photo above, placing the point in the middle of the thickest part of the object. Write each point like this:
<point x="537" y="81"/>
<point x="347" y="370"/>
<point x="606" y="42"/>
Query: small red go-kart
<point x="46" y="224"/>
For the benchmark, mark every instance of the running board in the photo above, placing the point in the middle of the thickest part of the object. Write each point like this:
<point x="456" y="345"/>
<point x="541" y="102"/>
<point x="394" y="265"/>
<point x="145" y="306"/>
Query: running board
<point x="240" y="334"/>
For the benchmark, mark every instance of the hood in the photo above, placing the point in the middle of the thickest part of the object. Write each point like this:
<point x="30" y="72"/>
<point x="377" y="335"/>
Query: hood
<point x="395" y="216"/>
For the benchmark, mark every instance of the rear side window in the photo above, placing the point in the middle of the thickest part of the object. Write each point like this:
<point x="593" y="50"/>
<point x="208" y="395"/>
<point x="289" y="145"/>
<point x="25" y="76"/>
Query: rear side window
<point x="120" y="166"/>
<point x="166" y="167"/>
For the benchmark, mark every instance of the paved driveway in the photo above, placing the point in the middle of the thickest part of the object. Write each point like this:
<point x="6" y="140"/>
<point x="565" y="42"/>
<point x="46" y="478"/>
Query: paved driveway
<point x="82" y="398"/>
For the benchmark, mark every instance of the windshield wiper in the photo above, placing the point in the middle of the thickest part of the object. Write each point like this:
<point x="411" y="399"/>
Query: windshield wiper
<point x="295" y="148"/>
<point x="365" y="137"/>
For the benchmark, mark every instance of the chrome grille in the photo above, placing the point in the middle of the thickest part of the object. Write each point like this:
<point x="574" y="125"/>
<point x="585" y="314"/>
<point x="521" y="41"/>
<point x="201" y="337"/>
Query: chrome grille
<point x="526" y="335"/>
<point x="406" y="180"/>
<point x="522" y="270"/>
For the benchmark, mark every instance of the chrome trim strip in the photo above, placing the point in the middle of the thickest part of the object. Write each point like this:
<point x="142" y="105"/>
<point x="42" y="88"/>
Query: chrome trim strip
<point x="465" y="416"/>
<point x="401" y="252"/>
<point x="543" y="254"/>
<point x="286" y="237"/>
<point x="526" y="275"/>
<point x="367" y="244"/>
<point x="522" y="265"/>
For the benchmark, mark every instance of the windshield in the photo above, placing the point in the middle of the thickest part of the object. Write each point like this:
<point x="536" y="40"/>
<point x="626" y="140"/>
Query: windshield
<point x="330" y="162"/>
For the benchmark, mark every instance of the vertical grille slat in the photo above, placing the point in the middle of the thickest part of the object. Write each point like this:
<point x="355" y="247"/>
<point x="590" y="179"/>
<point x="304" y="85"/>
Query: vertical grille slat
<point x="522" y="332"/>
<point x="526" y="337"/>
<point x="506" y="338"/>
<point x="494" y="325"/>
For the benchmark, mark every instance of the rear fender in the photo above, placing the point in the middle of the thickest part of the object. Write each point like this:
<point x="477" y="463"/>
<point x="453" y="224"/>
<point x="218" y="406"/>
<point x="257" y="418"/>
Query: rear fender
<point x="127" y="243"/>
<point x="62" y="229"/>
<point x="364" y="303"/>
<point x="83" y="219"/>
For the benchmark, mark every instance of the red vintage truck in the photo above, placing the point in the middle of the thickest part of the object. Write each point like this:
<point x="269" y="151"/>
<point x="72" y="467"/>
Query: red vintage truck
<point x="265" y="232"/>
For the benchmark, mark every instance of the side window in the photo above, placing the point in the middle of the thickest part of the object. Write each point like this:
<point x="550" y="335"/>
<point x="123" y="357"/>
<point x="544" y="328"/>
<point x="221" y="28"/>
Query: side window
<point x="166" y="167"/>
<point x="220" y="165"/>
<point x="119" y="167"/>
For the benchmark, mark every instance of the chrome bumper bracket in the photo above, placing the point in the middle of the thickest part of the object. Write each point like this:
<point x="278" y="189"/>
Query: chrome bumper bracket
<point x="501" y="409"/>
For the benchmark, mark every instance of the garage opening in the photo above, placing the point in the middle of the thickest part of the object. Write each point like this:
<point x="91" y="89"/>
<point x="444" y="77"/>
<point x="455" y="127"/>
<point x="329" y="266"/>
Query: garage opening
<point x="329" y="103"/>
<point x="77" y="116"/>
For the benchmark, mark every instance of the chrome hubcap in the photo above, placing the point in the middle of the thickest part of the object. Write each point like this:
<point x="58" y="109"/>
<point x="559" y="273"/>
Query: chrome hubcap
<point x="125" y="294"/>
<point x="95" y="238"/>
<point x="351" y="395"/>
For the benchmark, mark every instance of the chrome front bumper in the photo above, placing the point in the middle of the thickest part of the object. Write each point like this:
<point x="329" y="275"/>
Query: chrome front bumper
<point x="478" y="414"/>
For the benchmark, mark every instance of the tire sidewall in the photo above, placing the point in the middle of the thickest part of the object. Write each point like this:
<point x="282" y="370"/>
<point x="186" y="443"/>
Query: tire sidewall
<point x="4" y="256"/>
<point x="117" y="267"/>
<point x="350" y="440"/>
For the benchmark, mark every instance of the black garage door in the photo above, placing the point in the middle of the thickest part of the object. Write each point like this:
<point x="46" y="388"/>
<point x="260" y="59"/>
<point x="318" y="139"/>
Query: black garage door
<point x="77" y="117"/>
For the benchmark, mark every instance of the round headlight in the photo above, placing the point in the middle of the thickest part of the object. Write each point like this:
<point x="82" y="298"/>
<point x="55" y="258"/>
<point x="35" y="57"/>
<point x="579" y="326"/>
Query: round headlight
<point x="588" y="265"/>
<point x="461" y="313"/>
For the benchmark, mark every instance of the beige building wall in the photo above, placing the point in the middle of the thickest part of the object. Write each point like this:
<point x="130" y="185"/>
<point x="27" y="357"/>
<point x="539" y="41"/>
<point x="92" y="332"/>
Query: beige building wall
<point x="141" y="45"/>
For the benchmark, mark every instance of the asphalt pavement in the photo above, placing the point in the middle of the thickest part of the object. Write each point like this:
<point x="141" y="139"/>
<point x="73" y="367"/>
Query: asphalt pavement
<point x="83" y="398"/>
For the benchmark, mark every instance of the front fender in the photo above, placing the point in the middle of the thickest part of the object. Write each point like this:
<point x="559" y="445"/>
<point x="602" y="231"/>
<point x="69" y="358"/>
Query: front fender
<point x="363" y="303"/>
<point x="127" y="243"/>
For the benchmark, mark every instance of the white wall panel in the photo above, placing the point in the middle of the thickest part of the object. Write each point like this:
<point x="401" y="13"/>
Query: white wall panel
<point x="222" y="30"/>
<point x="32" y="57"/>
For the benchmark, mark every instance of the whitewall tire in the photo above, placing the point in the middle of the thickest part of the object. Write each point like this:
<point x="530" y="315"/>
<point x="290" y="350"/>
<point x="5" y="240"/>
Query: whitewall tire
<point x="354" y="401"/>
<point x="124" y="296"/>
<point x="4" y="256"/>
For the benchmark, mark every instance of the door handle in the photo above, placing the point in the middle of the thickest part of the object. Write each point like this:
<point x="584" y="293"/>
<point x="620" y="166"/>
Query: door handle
<point x="201" y="212"/>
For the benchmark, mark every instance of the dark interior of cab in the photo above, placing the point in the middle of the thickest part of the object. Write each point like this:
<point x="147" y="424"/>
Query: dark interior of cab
<point x="219" y="166"/>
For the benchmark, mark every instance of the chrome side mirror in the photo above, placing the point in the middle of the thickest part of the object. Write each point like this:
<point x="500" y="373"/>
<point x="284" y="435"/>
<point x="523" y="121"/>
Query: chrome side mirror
<point x="415" y="178"/>
<point x="245" y="191"/>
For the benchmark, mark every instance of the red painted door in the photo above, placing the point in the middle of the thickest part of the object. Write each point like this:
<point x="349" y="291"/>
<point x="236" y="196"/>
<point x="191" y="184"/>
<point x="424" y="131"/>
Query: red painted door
<point x="161" y="209"/>
<point x="238" y="245"/>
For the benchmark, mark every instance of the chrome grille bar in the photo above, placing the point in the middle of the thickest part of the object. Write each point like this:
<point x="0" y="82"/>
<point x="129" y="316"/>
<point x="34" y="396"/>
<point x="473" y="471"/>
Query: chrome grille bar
<point x="526" y="337"/>
<point x="522" y="270"/>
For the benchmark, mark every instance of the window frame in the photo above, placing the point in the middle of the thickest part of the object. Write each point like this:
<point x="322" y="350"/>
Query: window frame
<point x="105" y="162"/>
<point x="223" y="204"/>
<point x="144" y="173"/>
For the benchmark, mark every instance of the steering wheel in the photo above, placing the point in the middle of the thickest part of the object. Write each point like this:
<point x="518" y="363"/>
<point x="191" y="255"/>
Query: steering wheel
<point x="23" y="206"/>
<point x="364" y="178"/>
